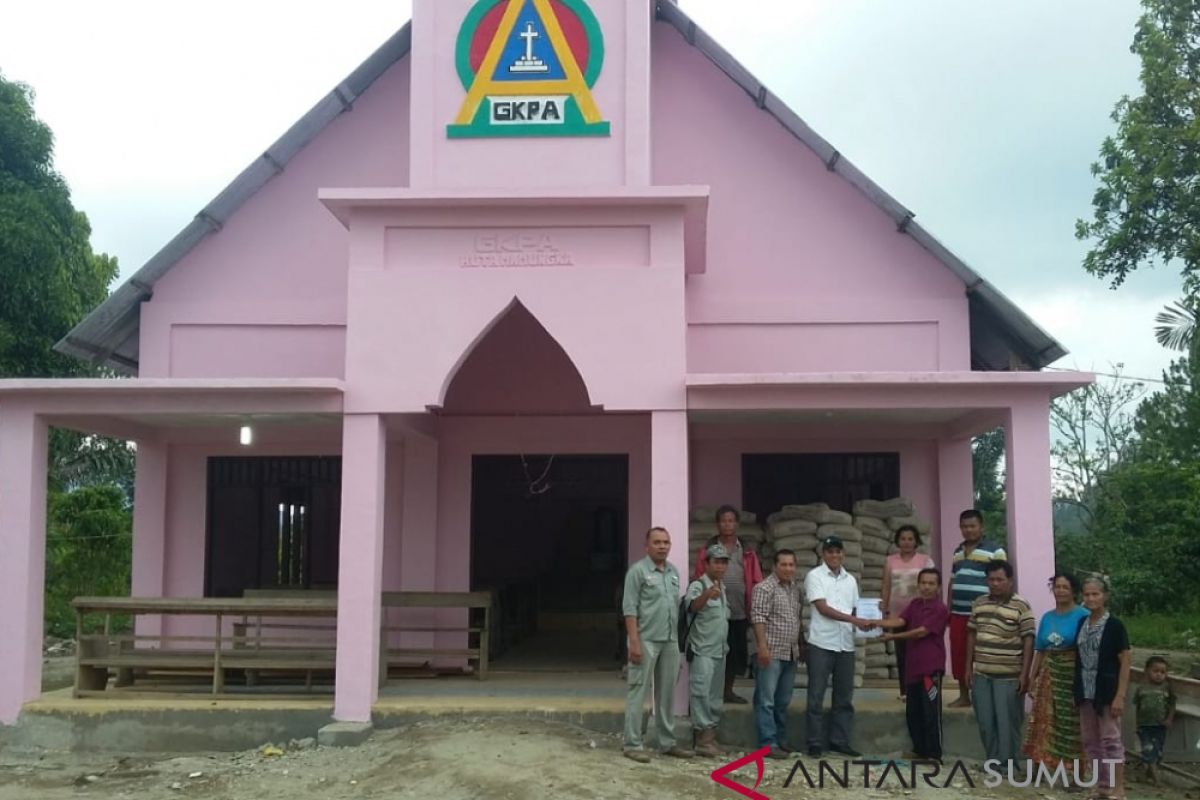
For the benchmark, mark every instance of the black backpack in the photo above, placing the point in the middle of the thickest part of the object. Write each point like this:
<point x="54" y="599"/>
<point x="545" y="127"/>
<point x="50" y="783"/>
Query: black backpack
<point x="684" y="623"/>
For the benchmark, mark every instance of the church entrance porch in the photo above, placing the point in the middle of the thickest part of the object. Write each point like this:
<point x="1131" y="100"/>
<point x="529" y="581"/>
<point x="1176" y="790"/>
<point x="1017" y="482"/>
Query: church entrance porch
<point x="548" y="538"/>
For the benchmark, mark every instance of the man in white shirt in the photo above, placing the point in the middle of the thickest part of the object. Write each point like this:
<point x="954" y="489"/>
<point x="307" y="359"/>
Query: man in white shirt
<point x="832" y="593"/>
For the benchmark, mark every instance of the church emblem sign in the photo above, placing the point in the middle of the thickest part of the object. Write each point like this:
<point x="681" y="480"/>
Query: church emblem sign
<point x="528" y="67"/>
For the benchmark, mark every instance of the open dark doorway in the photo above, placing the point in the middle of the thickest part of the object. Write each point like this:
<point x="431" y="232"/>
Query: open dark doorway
<point x="548" y="536"/>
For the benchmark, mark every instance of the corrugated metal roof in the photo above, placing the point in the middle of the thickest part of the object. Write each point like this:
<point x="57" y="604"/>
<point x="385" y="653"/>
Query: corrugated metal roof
<point x="1002" y="336"/>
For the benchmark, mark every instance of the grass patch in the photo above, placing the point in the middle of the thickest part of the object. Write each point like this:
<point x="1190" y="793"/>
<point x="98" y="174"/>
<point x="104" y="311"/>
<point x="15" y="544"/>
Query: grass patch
<point x="1177" y="630"/>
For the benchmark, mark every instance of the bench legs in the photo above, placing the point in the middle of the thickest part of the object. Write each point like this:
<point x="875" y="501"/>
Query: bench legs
<point x="90" y="679"/>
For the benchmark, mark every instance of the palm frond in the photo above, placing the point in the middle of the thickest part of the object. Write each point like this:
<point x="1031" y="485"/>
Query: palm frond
<point x="1176" y="326"/>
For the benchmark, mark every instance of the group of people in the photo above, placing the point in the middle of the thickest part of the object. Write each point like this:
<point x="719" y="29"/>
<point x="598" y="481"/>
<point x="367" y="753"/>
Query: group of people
<point x="1073" y="663"/>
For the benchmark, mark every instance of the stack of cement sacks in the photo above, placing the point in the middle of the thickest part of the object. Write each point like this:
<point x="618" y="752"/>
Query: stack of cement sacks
<point x="867" y="537"/>
<point x="878" y="521"/>
<point x="702" y="526"/>
<point x="800" y="528"/>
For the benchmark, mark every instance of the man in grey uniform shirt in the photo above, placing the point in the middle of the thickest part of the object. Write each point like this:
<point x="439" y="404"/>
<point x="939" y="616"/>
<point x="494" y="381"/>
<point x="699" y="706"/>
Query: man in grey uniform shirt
<point x="707" y="642"/>
<point x="651" y="608"/>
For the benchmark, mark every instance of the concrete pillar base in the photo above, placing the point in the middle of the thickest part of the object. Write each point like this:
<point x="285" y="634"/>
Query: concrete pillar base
<point x="344" y="734"/>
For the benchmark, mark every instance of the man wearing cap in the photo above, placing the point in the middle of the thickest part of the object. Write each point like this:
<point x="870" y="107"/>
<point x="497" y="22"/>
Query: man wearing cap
<point x="651" y="608"/>
<point x="779" y="639"/>
<point x="743" y="575"/>
<point x="707" y="647"/>
<point x="833" y="594"/>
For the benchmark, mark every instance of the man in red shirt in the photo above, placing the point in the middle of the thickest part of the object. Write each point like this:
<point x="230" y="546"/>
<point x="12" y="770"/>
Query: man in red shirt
<point x="924" y="628"/>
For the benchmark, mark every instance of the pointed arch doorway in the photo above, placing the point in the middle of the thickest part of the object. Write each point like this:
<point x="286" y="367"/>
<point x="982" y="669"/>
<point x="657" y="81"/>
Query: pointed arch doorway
<point x="549" y="498"/>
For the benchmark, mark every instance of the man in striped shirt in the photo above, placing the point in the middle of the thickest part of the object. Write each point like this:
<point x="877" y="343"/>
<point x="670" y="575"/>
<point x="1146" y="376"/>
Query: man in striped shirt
<point x="1000" y="635"/>
<point x="967" y="582"/>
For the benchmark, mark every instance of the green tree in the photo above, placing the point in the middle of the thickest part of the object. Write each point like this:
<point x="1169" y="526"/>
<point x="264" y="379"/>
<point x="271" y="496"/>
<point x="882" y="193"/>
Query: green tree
<point x="49" y="274"/>
<point x="88" y="550"/>
<point x="1168" y="422"/>
<point x="1094" y="430"/>
<point x="987" y="453"/>
<point x="1147" y="207"/>
<point x="50" y="278"/>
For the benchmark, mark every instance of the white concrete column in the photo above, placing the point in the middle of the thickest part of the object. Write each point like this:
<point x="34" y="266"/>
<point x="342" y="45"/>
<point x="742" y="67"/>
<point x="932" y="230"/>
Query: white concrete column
<point x="360" y="566"/>
<point x="1030" y="513"/>
<point x="956" y="493"/>
<point x="669" y="504"/>
<point x="23" y="461"/>
<point x="149" y="528"/>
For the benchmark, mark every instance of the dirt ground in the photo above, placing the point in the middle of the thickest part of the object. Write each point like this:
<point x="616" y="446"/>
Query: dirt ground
<point x="446" y="759"/>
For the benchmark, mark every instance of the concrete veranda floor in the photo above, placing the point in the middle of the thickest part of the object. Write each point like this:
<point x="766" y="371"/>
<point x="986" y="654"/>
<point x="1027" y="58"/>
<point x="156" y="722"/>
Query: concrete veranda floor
<point x="180" y="719"/>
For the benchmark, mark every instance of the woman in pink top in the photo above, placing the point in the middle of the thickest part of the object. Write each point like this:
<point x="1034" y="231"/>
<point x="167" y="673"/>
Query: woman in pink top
<point x="900" y="583"/>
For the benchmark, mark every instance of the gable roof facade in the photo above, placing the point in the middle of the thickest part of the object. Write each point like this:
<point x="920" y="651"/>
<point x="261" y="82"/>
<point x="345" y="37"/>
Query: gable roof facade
<point x="1002" y="336"/>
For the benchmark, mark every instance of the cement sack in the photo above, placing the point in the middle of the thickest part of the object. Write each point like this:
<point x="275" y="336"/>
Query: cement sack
<point x="923" y="527"/>
<point x="872" y="525"/>
<point x="859" y="667"/>
<point x="810" y="511"/>
<point x="872" y="545"/>
<point x="877" y="674"/>
<point x="882" y="509"/>
<point x="797" y="541"/>
<point x="832" y="517"/>
<point x="847" y="533"/>
<point x="873" y="559"/>
<point x="805" y="560"/>
<point x="870" y="587"/>
<point x="853" y="565"/>
<point x="705" y="529"/>
<point x="791" y="527"/>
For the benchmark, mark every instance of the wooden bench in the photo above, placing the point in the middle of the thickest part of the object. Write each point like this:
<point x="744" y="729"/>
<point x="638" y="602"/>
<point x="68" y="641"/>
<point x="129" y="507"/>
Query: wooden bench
<point x="261" y="641"/>
<point x="251" y="633"/>
<point x="207" y="655"/>
<point x="477" y="630"/>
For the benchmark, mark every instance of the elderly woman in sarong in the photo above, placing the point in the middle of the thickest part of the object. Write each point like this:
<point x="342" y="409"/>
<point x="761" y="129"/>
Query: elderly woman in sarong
<point x="1052" y="731"/>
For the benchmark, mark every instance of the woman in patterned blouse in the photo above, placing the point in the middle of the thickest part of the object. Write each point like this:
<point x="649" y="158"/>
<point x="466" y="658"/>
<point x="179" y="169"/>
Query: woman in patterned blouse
<point x="1101" y="680"/>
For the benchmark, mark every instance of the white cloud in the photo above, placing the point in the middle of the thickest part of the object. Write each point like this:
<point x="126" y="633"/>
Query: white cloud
<point x="1101" y="327"/>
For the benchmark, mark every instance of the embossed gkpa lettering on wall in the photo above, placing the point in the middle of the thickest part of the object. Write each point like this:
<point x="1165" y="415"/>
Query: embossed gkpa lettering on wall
<point x="516" y="250"/>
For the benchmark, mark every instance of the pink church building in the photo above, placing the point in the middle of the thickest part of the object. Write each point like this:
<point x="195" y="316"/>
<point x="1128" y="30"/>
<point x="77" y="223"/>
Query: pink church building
<point x="535" y="276"/>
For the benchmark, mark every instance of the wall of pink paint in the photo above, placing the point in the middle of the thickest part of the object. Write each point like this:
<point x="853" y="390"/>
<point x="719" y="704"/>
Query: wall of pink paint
<point x="622" y="328"/>
<point x="797" y="257"/>
<point x="716" y="465"/>
<point x="280" y="261"/>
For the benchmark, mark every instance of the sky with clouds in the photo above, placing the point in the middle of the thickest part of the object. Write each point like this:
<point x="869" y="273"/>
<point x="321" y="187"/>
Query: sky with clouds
<point x="981" y="118"/>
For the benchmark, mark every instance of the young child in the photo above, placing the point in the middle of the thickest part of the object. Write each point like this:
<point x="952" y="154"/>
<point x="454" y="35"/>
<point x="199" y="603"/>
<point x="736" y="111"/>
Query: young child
<point x="1155" y="705"/>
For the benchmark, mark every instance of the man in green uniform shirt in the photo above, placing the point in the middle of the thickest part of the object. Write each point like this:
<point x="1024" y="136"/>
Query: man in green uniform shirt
<point x="651" y="608"/>
<point x="708" y="643"/>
